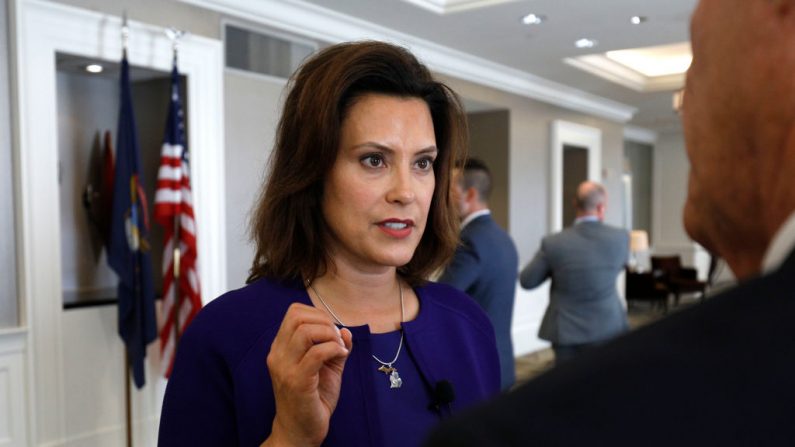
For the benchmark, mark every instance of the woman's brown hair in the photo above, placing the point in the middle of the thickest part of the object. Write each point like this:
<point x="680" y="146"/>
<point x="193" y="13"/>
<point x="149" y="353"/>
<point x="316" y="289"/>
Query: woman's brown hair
<point x="287" y="225"/>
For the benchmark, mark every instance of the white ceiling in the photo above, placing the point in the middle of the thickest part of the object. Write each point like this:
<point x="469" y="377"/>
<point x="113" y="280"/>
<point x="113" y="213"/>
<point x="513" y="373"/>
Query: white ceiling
<point x="495" y="33"/>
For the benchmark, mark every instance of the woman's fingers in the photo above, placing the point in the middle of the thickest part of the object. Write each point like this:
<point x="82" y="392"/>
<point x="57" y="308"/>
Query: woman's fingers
<point x="306" y="361"/>
<point x="319" y="356"/>
<point x="347" y="338"/>
<point x="299" y="315"/>
<point x="306" y="340"/>
<point x="312" y="345"/>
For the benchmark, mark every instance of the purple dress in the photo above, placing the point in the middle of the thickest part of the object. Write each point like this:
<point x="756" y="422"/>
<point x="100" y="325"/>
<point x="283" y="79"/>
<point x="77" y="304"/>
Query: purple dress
<point x="220" y="392"/>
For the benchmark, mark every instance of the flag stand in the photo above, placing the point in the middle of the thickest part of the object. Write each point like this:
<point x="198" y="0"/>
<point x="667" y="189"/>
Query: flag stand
<point x="125" y="34"/>
<point x="175" y="283"/>
<point x="127" y="398"/>
<point x="175" y="34"/>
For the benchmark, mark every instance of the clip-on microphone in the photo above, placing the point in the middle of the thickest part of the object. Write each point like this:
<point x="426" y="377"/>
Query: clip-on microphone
<point x="443" y="396"/>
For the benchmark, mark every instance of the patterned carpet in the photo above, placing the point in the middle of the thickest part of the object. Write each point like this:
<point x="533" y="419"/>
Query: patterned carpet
<point x="535" y="363"/>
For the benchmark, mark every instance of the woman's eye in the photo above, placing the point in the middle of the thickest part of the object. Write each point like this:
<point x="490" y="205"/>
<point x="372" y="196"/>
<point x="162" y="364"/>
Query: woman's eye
<point x="373" y="161"/>
<point x="425" y="164"/>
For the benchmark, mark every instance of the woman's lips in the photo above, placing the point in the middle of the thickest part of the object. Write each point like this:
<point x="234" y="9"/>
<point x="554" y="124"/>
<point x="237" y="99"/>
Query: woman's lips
<point x="397" y="228"/>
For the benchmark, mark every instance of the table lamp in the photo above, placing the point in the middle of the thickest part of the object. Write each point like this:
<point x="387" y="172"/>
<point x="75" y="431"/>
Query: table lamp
<point x="638" y="243"/>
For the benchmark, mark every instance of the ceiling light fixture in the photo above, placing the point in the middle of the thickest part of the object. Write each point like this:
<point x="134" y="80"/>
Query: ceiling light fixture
<point x="94" y="68"/>
<point x="534" y="19"/>
<point x="637" y="20"/>
<point x="585" y="43"/>
<point x="663" y="60"/>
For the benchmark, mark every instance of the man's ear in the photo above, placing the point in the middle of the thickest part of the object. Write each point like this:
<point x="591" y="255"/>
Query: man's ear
<point x="472" y="195"/>
<point x="600" y="210"/>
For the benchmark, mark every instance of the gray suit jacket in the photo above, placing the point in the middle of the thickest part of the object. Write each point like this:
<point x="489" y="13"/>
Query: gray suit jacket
<point x="583" y="262"/>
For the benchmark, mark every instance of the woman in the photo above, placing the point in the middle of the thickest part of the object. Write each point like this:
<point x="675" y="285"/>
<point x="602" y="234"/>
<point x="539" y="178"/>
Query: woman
<point x="337" y="339"/>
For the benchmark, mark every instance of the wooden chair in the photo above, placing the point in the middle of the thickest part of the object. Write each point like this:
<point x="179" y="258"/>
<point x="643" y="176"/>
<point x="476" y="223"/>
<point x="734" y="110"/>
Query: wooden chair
<point x="678" y="279"/>
<point x="645" y="287"/>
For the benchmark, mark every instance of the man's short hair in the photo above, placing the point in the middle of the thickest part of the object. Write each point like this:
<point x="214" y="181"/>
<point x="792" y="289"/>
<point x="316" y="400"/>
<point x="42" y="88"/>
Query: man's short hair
<point x="477" y="175"/>
<point x="593" y="196"/>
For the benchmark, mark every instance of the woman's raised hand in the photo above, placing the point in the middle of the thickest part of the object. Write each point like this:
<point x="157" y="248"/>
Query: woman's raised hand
<point x="306" y="362"/>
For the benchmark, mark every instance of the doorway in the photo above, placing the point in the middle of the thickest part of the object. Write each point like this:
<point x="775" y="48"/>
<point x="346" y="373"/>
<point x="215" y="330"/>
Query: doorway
<point x="575" y="171"/>
<point x="584" y="145"/>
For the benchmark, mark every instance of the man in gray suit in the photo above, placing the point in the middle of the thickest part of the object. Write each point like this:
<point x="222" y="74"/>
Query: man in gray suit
<point x="583" y="262"/>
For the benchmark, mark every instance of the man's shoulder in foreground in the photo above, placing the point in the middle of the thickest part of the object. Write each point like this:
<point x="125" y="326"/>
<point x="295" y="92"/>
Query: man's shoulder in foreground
<point x="718" y="373"/>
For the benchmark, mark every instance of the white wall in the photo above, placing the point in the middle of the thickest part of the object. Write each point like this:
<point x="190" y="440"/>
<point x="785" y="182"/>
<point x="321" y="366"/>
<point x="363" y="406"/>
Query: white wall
<point x="639" y="158"/>
<point x="529" y="161"/>
<point x="251" y="113"/>
<point x="669" y="193"/>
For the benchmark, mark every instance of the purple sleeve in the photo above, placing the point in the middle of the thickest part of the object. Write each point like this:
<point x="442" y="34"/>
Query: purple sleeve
<point x="198" y="408"/>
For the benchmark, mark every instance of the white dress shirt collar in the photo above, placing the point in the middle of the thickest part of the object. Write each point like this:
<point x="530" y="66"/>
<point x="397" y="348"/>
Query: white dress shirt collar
<point x="586" y="219"/>
<point x="473" y="216"/>
<point x="782" y="245"/>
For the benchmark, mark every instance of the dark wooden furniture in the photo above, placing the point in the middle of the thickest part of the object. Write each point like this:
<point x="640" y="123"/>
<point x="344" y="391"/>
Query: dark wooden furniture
<point x="678" y="279"/>
<point x="646" y="287"/>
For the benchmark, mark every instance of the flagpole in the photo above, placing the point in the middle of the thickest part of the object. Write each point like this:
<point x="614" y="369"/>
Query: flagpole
<point x="174" y="34"/>
<point x="172" y="201"/>
<point x="125" y="34"/>
<point x="175" y="282"/>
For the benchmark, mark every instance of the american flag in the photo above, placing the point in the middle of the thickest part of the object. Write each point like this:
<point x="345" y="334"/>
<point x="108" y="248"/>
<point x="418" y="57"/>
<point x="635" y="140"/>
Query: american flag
<point x="174" y="211"/>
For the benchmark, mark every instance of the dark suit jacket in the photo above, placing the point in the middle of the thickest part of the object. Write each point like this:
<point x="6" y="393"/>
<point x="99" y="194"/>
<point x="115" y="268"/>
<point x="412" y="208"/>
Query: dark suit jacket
<point x="719" y="373"/>
<point x="583" y="261"/>
<point x="485" y="266"/>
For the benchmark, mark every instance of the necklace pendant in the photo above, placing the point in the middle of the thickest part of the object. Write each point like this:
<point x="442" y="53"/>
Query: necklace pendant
<point x="386" y="369"/>
<point x="394" y="379"/>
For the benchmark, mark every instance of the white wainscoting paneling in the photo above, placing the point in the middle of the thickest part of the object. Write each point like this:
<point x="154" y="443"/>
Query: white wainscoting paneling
<point x="13" y="408"/>
<point x="528" y="310"/>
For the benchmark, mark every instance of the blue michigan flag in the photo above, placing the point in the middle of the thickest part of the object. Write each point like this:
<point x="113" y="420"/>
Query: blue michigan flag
<point x="128" y="251"/>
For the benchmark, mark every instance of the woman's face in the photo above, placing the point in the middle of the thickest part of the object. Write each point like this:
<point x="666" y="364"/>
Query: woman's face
<point x="379" y="190"/>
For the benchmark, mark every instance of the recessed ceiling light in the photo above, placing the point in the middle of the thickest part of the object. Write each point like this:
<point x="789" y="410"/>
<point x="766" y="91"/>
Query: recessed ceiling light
<point x="534" y="19"/>
<point x="94" y="68"/>
<point x="637" y="20"/>
<point x="585" y="43"/>
<point x="663" y="60"/>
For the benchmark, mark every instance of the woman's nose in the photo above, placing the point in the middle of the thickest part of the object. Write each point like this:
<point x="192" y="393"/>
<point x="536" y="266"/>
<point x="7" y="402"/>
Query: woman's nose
<point x="402" y="188"/>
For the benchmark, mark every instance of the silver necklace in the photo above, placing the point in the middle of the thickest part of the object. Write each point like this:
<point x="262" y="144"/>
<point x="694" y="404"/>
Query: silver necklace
<point x="385" y="367"/>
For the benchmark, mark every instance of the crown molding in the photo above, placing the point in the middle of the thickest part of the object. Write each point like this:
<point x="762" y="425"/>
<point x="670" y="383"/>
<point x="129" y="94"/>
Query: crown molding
<point x="450" y="6"/>
<point x="298" y="17"/>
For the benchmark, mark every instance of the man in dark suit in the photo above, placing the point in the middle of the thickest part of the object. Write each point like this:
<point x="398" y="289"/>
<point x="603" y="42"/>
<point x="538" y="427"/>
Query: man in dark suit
<point x="583" y="262"/>
<point x="485" y="265"/>
<point x="721" y="372"/>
